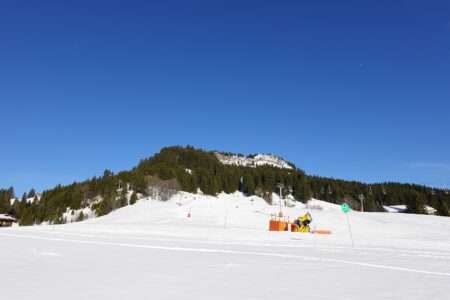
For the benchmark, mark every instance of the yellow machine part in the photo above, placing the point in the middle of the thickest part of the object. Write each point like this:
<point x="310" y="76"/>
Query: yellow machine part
<point x="305" y="217"/>
<point x="304" y="228"/>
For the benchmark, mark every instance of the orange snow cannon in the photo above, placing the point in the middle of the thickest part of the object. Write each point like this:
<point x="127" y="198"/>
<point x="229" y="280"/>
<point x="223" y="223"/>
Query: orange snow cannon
<point x="294" y="227"/>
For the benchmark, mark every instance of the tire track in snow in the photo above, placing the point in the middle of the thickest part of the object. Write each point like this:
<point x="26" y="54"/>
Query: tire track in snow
<point x="398" y="252"/>
<point x="231" y="252"/>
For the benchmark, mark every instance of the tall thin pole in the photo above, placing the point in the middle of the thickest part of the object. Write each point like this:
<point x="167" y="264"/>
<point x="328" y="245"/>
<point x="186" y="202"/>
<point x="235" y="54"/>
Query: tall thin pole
<point x="350" y="230"/>
<point x="280" y="186"/>
<point x="361" y="198"/>
<point x="281" y="196"/>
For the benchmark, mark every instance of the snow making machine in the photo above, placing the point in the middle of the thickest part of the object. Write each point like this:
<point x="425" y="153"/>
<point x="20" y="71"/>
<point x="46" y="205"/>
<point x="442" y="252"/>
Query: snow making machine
<point x="301" y="224"/>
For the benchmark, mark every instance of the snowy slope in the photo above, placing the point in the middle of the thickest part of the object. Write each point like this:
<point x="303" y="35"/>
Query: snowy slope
<point x="250" y="216"/>
<point x="203" y="247"/>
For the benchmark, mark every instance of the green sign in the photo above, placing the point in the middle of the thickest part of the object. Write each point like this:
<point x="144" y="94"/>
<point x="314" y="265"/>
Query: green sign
<point x="345" y="208"/>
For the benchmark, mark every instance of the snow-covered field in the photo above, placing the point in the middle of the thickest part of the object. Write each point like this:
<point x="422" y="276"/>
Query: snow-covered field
<point x="153" y="250"/>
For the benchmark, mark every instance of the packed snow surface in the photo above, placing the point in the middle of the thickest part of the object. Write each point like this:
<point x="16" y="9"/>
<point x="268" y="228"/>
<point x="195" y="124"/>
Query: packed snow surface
<point x="203" y="247"/>
<point x="254" y="161"/>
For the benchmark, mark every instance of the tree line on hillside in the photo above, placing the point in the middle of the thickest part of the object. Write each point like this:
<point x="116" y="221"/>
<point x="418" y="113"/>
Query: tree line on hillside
<point x="5" y="200"/>
<point x="375" y="196"/>
<point x="189" y="169"/>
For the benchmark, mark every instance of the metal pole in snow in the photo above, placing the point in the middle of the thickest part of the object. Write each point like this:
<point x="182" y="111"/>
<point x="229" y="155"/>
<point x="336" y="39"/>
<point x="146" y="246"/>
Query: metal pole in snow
<point x="280" y="199"/>
<point x="226" y="214"/>
<point x="362" y="198"/>
<point x="280" y="185"/>
<point x="350" y="230"/>
<point x="346" y="209"/>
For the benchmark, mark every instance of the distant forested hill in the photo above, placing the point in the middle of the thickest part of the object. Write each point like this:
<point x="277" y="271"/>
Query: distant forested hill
<point x="191" y="170"/>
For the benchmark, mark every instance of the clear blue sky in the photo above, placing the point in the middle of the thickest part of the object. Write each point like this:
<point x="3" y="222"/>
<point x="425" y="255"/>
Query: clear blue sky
<point x="349" y="89"/>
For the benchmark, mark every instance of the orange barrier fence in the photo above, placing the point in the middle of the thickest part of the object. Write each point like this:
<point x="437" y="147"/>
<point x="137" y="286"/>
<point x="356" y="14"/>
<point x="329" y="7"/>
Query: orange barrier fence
<point x="278" y="224"/>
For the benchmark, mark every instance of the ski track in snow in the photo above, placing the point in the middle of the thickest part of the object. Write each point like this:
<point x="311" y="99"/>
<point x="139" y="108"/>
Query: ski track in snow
<point x="397" y="252"/>
<point x="233" y="252"/>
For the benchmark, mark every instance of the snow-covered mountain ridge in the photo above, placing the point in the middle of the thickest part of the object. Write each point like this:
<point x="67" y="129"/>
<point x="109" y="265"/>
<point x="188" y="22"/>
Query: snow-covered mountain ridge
<point x="253" y="161"/>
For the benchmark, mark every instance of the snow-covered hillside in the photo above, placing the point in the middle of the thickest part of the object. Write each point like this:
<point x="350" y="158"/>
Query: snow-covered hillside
<point x="253" y="161"/>
<point x="251" y="216"/>
<point x="202" y="247"/>
<point x="403" y="208"/>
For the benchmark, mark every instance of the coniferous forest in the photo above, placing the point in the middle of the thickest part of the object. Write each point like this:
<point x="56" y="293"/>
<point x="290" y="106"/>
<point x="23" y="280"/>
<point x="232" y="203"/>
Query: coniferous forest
<point x="189" y="169"/>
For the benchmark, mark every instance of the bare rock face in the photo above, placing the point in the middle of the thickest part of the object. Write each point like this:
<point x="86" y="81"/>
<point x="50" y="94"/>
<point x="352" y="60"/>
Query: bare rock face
<point x="253" y="161"/>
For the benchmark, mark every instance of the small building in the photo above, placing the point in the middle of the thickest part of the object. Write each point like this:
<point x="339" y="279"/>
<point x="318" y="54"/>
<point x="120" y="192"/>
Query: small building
<point x="6" y="220"/>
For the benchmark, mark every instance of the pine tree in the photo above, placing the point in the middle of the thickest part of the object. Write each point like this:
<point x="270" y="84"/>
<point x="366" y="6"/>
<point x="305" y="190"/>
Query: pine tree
<point x="105" y="206"/>
<point x="133" y="198"/>
<point x="416" y="203"/>
<point x="80" y="217"/>
<point x="443" y="209"/>
<point x="248" y="185"/>
<point x="123" y="199"/>
<point x="31" y="193"/>
<point x="11" y="193"/>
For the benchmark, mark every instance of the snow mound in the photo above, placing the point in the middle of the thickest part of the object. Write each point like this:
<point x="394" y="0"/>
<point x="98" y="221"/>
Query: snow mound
<point x="315" y="204"/>
<point x="7" y="217"/>
<point x="402" y="208"/>
<point x="430" y="210"/>
<point x="395" y="208"/>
